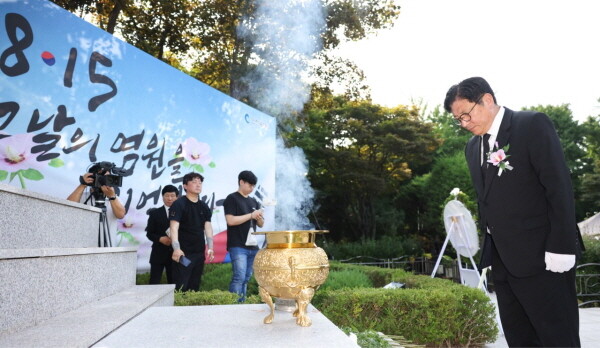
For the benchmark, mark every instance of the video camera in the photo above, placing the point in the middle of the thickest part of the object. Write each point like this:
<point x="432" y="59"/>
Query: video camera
<point x="105" y="173"/>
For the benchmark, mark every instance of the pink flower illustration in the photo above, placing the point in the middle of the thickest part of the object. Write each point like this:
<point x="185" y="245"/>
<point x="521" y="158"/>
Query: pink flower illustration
<point x="196" y="152"/>
<point x="15" y="153"/>
<point x="131" y="227"/>
<point x="134" y="219"/>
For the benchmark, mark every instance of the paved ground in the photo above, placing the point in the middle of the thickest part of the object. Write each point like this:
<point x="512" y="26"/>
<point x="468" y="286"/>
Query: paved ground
<point x="235" y="326"/>
<point x="589" y="329"/>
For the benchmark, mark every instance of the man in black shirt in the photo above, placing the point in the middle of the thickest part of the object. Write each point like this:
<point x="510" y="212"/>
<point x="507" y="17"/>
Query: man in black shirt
<point x="190" y="223"/>
<point x="243" y="214"/>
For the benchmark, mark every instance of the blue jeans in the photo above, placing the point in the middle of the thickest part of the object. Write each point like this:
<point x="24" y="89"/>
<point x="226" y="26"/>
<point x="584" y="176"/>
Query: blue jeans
<point x="242" y="260"/>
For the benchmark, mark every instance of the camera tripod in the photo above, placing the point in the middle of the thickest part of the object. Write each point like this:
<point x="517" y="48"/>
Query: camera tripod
<point x="104" y="239"/>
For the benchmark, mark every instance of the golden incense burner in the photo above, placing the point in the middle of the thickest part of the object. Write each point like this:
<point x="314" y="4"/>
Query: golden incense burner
<point x="290" y="267"/>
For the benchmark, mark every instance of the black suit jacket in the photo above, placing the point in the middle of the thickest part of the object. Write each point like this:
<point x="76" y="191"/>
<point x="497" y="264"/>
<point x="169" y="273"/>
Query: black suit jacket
<point x="158" y="223"/>
<point x="530" y="209"/>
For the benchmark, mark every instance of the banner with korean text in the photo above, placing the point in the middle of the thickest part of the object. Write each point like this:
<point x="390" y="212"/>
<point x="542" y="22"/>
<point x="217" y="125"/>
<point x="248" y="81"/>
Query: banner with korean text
<point x="72" y="95"/>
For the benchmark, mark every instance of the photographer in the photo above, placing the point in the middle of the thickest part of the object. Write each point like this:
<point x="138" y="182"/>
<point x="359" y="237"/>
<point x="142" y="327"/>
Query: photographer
<point x="87" y="191"/>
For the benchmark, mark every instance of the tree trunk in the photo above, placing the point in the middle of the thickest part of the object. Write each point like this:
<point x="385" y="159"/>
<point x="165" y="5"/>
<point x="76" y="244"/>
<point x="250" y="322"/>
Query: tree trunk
<point x="114" y="15"/>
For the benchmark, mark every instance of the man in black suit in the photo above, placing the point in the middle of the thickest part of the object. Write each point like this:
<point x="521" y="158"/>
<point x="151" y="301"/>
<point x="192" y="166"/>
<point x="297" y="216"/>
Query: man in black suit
<point x="526" y="213"/>
<point x="157" y="231"/>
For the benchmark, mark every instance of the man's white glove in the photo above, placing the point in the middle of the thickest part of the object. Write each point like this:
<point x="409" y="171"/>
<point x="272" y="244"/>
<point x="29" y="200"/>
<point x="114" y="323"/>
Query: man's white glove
<point x="559" y="262"/>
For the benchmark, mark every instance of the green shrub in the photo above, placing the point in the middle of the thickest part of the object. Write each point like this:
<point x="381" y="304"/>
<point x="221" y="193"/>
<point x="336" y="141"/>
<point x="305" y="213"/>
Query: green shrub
<point x="452" y="317"/>
<point x="143" y="279"/>
<point x="592" y="250"/>
<point x="385" y="247"/>
<point x="351" y="278"/>
<point x="382" y="276"/>
<point x="367" y="339"/>
<point x="216" y="276"/>
<point x="429" y="311"/>
<point x="590" y="255"/>
<point x="213" y="297"/>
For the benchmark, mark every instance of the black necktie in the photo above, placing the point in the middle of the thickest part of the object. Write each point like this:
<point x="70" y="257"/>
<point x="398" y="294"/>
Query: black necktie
<point x="486" y="149"/>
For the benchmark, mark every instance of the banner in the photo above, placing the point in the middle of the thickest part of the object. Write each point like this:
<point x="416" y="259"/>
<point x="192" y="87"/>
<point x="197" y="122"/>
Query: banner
<point x="72" y="95"/>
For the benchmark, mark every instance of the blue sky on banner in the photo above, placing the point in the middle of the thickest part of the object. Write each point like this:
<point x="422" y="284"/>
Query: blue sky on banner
<point x="119" y="105"/>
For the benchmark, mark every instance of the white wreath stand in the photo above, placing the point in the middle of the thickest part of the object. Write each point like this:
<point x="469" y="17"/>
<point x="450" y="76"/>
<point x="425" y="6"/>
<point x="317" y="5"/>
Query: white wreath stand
<point x="469" y="277"/>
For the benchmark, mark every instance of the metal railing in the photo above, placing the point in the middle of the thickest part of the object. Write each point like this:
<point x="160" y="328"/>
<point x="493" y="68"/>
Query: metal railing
<point x="416" y="265"/>
<point x="588" y="284"/>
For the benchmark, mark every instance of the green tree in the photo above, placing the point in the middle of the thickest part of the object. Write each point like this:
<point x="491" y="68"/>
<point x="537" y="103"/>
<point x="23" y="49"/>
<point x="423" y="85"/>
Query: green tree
<point x="360" y="154"/>
<point x="590" y="185"/>
<point x="423" y="198"/>
<point x="571" y="136"/>
<point x="591" y="131"/>
<point x="453" y="138"/>
<point x="572" y="139"/>
<point x="426" y="196"/>
<point x="160" y="26"/>
<point x="590" y="181"/>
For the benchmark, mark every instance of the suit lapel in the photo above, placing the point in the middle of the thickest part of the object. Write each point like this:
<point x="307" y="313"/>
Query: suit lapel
<point x="502" y="140"/>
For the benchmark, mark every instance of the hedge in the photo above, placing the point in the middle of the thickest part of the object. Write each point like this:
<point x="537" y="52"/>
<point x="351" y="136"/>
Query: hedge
<point x="428" y="311"/>
<point x="213" y="297"/>
<point x="592" y="250"/>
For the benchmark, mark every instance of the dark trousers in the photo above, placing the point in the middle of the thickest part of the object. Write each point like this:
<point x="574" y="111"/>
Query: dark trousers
<point x="188" y="278"/>
<point x="537" y="311"/>
<point x="156" y="270"/>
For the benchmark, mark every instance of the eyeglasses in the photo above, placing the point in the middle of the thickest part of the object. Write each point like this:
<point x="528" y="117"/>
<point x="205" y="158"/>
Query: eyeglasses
<point x="466" y="116"/>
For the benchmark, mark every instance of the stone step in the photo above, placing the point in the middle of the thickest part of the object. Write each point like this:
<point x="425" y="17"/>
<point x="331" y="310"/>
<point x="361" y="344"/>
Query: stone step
<point x="34" y="220"/>
<point x="224" y="326"/>
<point x="88" y="324"/>
<point x="38" y="284"/>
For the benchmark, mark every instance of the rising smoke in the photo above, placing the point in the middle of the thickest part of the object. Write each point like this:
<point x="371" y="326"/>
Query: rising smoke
<point x="284" y="36"/>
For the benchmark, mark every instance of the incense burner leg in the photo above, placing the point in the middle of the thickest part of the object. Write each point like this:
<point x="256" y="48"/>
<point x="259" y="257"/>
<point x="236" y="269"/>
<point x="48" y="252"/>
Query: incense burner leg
<point x="266" y="297"/>
<point x="302" y="301"/>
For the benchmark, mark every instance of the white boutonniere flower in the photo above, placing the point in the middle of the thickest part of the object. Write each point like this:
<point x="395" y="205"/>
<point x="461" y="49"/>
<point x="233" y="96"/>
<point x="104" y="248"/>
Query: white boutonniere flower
<point x="499" y="158"/>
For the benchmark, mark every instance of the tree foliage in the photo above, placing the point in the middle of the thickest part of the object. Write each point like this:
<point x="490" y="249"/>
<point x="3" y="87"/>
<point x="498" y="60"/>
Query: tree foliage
<point x="452" y="137"/>
<point x="422" y="199"/>
<point x="426" y="195"/>
<point x="160" y="26"/>
<point x="104" y="12"/>
<point x="360" y="154"/>
<point x="570" y="134"/>
<point x="590" y="181"/>
<point x="574" y="144"/>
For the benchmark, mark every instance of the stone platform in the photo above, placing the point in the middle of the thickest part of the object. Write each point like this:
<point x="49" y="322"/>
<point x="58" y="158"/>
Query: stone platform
<point x="225" y="326"/>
